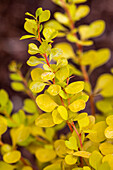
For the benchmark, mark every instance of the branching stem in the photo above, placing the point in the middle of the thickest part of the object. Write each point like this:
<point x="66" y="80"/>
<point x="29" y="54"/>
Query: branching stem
<point x="80" y="49"/>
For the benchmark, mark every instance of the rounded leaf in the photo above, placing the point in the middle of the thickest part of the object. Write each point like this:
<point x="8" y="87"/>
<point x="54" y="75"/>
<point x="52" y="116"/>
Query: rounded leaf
<point x="109" y="132"/>
<point x="77" y="105"/>
<point x="54" y="89"/>
<point x="109" y="120"/>
<point x="45" y="155"/>
<point x="17" y="86"/>
<point x="34" y="61"/>
<point x="109" y="159"/>
<point x="33" y="49"/>
<point x="12" y="157"/>
<point x="44" y="16"/>
<point x="70" y="159"/>
<point x="57" y="119"/>
<point x="63" y="112"/>
<point x="106" y="148"/>
<point x="27" y="168"/>
<point x="47" y="76"/>
<point x="46" y="103"/>
<point x="49" y="33"/>
<point x="3" y="125"/>
<point x="60" y="148"/>
<point x="95" y="159"/>
<point x="97" y="134"/>
<point x="45" y="120"/>
<point x="36" y="74"/>
<point x="54" y="166"/>
<point x="72" y="143"/>
<point x="37" y="87"/>
<point x="75" y="87"/>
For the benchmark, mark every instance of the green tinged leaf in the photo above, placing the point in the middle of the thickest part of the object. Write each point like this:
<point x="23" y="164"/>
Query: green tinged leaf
<point x="72" y="143"/>
<point x="3" y="125"/>
<point x="55" y="24"/>
<point x="27" y="13"/>
<point x="37" y="87"/>
<point x="109" y="132"/>
<point x="67" y="50"/>
<point x="54" y="89"/>
<point x="33" y="49"/>
<point x="97" y="135"/>
<point x="17" y="86"/>
<point x="49" y="33"/>
<point x="45" y="48"/>
<point x="4" y="166"/>
<point x="77" y="105"/>
<point x="56" y="53"/>
<point x="62" y="73"/>
<point x="86" y="168"/>
<point x="78" y="1"/>
<point x="15" y="77"/>
<point x="109" y="120"/>
<point x="95" y="159"/>
<point x="45" y="155"/>
<point x="81" y="12"/>
<point x="83" y="120"/>
<point x="106" y="148"/>
<point x="5" y="148"/>
<point x="36" y="74"/>
<point x="18" y="118"/>
<point x="57" y="119"/>
<point x="12" y="157"/>
<point x="27" y="168"/>
<point x="108" y="159"/>
<point x="38" y="12"/>
<point x="74" y="39"/>
<point x="75" y="87"/>
<point x="62" y="18"/>
<point x="29" y="106"/>
<point x="63" y="112"/>
<point x="97" y="28"/>
<point x="60" y="148"/>
<point x="83" y="154"/>
<point x="20" y="134"/>
<point x="31" y="26"/>
<point x="95" y="58"/>
<point x="44" y="16"/>
<point x="3" y="97"/>
<point x="104" y="166"/>
<point x="103" y="82"/>
<point x="34" y="61"/>
<point x="27" y="37"/>
<point x="47" y="76"/>
<point x="45" y="120"/>
<point x="70" y="159"/>
<point x="54" y="166"/>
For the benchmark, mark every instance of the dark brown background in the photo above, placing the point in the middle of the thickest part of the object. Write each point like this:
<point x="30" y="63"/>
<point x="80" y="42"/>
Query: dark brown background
<point x="11" y="29"/>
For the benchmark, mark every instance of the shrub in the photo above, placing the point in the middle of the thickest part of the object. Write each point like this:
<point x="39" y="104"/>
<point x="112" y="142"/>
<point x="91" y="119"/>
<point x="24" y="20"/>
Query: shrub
<point x="56" y="101"/>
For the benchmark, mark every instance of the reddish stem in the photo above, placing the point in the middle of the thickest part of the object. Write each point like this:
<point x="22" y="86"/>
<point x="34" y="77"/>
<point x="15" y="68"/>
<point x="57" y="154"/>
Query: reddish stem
<point x="45" y="55"/>
<point x="70" y="127"/>
<point x="79" y="136"/>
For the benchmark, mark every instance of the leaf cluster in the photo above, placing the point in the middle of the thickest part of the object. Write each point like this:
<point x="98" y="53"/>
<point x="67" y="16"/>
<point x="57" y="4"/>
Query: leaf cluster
<point x="54" y="101"/>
